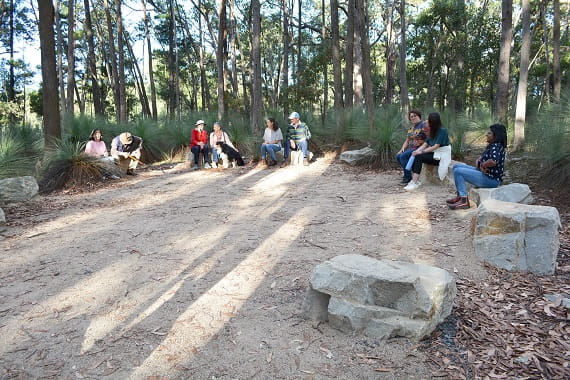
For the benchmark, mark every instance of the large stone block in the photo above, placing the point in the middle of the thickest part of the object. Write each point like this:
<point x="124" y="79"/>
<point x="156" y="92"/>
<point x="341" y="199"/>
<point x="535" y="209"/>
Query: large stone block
<point x="429" y="174"/>
<point x="381" y="298"/>
<point x="517" y="237"/>
<point x="513" y="192"/>
<point x="352" y="157"/>
<point x="18" y="189"/>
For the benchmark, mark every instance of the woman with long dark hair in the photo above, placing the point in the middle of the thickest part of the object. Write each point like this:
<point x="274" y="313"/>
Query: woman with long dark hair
<point x="437" y="138"/>
<point x="488" y="172"/>
<point x="272" y="138"/>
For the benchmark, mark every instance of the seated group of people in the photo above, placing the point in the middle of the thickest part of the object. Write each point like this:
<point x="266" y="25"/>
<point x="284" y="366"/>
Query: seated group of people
<point x="427" y="142"/>
<point x="296" y="138"/>
<point x="125" y="150"/>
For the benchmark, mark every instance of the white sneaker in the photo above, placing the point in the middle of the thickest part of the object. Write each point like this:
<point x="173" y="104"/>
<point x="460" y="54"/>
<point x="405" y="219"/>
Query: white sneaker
<point x="412" y="185"/>
<point x="207" y="165"/>
<point x="214" y="164"/>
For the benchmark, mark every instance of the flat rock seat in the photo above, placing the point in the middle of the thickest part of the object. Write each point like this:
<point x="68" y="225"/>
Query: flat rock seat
<point x="517" y="237"/>
<point x="513" y="192"/>
<point x="380" y="298"/>
<point x="429" y="175"/>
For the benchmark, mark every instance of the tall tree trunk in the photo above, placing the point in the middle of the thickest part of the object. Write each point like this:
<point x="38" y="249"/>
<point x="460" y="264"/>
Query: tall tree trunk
<point x="404" y="99"/>
<point x="337" y="68"/>
<point x="325" y="68"/>
<point x="121" y="71"/>
<point x="112" y="62"/>
<point x="546" y="42"/>
<point x="11" y="92"/>
<point x="556" y="52"/>
<point x="139" y="80"/>
<point x="286" y="40"/>
<point x="70" y="57"/>
<point x="257" y="101"/>
<point x="172" y="105"/>
<point x="51" y="116"/>
<point x="502" y="96"/>
<point x="357" y="70"/>
<point x="60" y="75"/>
<point x="367" y="67"/>
<point x="520" y="116"/>
<point x="233" y="36"/>
<point x="349" y="57"/>
<point x="204" y="87"/>
<point x="91" y="63"/>
<point x="220" y="59"/>
<point x="150" y="68"/>
<point x="390" y="54"/>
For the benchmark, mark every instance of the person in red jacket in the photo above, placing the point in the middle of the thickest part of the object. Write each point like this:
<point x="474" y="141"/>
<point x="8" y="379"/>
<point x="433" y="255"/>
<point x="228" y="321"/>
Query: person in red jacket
<point x="199" y="144"/>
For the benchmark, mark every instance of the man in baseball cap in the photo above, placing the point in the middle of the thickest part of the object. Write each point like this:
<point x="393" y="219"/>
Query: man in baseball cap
<point x="297" y="137"/>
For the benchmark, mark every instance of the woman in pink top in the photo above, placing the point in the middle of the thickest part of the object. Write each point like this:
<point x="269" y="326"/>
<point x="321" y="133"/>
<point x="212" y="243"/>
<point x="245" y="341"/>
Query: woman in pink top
<point x="95" y="146"/>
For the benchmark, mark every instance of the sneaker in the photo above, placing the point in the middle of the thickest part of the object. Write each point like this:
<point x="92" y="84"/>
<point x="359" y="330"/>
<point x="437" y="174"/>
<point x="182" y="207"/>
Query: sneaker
<point x="272" y="162"/>
<point x="453" y="200"/>
<point x="306" y="162"/>
<point x="214" y="165"/>
<point x="131" y="172"/>
<point x="412" y="185"/>
<point x="284" y="163"/>
<point x="207" y="165"/>
<point x="405" y="181"/>
<point x="196" y="167"/>
<point x="112" y="176"/>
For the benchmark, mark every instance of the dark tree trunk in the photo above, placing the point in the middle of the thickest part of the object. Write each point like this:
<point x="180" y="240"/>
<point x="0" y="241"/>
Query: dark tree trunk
<point x="220" y="59"/>
<point x="51" y="116"/>
<point x="91" y="63"/>
<point x="502" y="96"/>
<point x="337" y="67"/>
<point x="257" y="101"/>
<point x="150" y="68"/>
<point x="349" y="57"/>
<point x="70" y="58"/>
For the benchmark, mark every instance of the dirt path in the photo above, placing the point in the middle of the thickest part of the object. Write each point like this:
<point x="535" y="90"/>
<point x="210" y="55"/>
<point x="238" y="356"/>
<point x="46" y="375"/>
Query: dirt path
<point x="202" y="274"/>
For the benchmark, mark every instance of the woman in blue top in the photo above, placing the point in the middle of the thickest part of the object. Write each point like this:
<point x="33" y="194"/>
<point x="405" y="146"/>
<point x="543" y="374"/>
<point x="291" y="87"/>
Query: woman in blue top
<point x="437" y="137"/>
<point x="489" y="170"/>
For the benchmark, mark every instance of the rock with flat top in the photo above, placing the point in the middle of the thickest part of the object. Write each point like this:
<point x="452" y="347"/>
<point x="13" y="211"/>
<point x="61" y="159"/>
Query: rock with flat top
<point x="513" y="192"/>
<point x="352" y="157"/>
<point x="381" y="298"/>
<point x="517" y="237"/>
<point x="18" y="189"/>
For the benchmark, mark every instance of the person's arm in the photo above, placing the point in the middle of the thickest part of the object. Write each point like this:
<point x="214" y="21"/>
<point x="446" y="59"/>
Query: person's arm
<point x="212" y="142"/>
<point x="114" y="147"/>
<point x="228" y="141"/>
<point x="420" y="150"/>
<point x="193" y="141"/>
<point x="404" y="145"/>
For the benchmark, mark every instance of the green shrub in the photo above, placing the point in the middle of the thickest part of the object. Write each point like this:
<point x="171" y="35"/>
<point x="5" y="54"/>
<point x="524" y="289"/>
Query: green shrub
<point x="67" y="165"/>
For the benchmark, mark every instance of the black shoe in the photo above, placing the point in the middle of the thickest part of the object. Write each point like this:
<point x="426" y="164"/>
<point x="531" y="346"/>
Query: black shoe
<point x="405" y="181"/>
<point x="131" y="172"/>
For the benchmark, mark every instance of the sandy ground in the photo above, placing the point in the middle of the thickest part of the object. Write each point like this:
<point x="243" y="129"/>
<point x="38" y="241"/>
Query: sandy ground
<point x="201" y="274"/>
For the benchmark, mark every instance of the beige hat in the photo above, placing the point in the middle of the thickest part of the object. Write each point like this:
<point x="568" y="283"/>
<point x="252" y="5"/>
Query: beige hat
<point x="126" y="138"/>
<point x="200" y="122"/>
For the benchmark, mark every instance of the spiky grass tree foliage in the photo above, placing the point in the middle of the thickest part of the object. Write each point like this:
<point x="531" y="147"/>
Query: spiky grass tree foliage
<point x="67" y="166"/>
<point x="549" y="136"/>
<point x="20" y="147"/>
<point x="389" y="131"/>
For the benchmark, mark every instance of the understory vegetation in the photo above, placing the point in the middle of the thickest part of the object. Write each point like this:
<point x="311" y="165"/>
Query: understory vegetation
<point x="166" y="141"/>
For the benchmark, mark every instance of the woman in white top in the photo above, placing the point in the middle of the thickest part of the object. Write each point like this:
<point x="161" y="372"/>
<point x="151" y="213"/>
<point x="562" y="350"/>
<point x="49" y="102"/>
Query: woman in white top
<point x="95" y="146"/>
<point x="271" y="142"/>
<point x="216" y="136"/>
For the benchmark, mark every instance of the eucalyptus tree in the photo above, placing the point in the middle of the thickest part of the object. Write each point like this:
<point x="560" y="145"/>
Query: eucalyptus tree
<point x="97" y="96"/>
<point x="557" y="79"/>
<point x="520" y="116"/>
<point x="502" y="95"/>
<point x="51" y="116"/>
<point x="257" y="101"/>
<point x="335" y="55"/>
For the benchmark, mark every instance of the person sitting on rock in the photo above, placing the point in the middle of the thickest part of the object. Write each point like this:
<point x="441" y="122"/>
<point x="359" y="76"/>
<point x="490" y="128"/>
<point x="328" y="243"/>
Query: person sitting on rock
<point x="219" y="135"/>
<point x="488" y="172"/>
<point x="437" y="138"/>
<point x="199" y="144"/>
<point x="404" y="154"/>
<point x="297" y="137"/>
<point x="96" y="148"/>
<point x="272" y="138"/>
<point x="126" y="150"/>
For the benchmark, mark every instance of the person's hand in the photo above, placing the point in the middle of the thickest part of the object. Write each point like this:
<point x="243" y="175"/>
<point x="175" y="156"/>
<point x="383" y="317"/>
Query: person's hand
<point x="201" y="144"/>
<point x="400" y="151"/>
<point x="416" y="152"/>
<point x="478" y="163"/>
<point x="293" y="146"/>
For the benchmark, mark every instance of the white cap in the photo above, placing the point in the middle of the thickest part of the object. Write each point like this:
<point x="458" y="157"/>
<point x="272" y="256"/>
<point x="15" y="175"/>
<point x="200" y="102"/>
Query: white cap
<point x="294" y="115"/>
<point x="200" y="122"/>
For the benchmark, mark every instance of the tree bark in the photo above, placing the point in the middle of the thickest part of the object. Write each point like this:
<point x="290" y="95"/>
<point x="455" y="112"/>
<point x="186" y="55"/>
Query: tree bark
<point x="51" y="116"/>
<point x="70" y="58"/>
<point x="546" y="42"/>
<point x="121" y="68"/>
<point x="502" y="96"/>
<point x="349" y="57"/>
<point x="337" y="68"/>
<point x="286" y="38"/>
<point x="112" y="65"/>
<point x="59" y="68"/>
<point x="150" y="66"/>
<point x="257" y="101"/>
<point x="325" y="68"/>
<point x="10" y="91"/>
<point x="390" y="55"/>
<point x="220" y="59"/>
<point x="404" y="99"/>
<point x="233" y="45"/>
<point x="556" y="53"/>
<point x="172" y="69"/>
<point x="98" y="104"/>
<point x="357" y="84"/>
<point x="367" y="67"/>
<point x="520" y="115"/>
